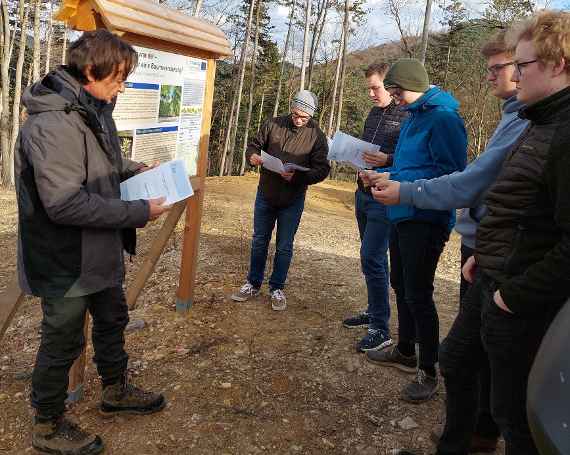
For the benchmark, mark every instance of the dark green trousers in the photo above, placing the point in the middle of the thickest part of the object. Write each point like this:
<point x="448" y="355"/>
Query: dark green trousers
<point x="63" y="340"/>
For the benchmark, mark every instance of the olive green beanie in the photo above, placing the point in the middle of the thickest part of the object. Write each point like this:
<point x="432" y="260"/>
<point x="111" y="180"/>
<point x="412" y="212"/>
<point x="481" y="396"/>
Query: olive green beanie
<point x="408" y="74"/>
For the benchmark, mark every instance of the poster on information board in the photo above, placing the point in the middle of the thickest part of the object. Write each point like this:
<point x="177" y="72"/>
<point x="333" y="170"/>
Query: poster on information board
<point x="159" y="115"/>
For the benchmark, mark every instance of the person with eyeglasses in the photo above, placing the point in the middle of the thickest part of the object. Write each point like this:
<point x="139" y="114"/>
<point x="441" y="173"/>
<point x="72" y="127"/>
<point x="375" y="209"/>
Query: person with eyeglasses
<point x="432" y="142"/>
<point x="293" y="138"/>
<point x="469" y="425"/>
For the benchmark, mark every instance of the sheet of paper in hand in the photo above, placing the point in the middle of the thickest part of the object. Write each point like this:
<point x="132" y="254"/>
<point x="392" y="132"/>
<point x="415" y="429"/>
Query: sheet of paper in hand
<point x="350" y="150"/>
<point x="274" y="164"/>
<point x="169" y="180"/>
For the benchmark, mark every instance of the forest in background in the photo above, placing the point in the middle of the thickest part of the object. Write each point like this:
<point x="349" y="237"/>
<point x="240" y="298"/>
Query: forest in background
<point x="323" y="54"/>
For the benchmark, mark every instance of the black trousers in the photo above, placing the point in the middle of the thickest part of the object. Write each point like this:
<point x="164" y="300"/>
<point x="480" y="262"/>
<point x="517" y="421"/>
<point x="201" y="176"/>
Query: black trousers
<point x="482" y="333"/>
<point x="415" y="248"/>
<point x="464" y="366"/>
<point x="63" y="340"/>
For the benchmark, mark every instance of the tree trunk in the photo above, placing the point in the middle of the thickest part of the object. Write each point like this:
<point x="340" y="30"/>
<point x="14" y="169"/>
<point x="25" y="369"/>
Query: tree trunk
<point x="7" y="40"/>
<point x="36" y="58"/>
<point x="260" y="116"/>
<point x="251" y="88"/>
<point x="316" y="38"/>
<point x="49" y="39"/>
<point x="344" y="62"/>
<point x="285" y="49"/>
<point x="231" y="153"/>
<point x="305" y="42"/>
<point x="197" y="8"/>
<point x="9" y="166"/>
<point x="335" y="86"/>
<point x="64" y="44"/>
<point x="425" y="34"/>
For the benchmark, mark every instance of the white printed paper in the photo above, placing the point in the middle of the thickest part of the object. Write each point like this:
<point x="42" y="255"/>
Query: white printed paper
<point x="274" y="164"/>
<point x="169" y="180"/>
<point x="350" y="150"/>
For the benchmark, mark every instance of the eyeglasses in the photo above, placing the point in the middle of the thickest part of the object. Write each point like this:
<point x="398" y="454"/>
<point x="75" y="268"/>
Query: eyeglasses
<point x="520" y="65"/>
<point x="303" y="118"/>
<point x="496" y="69"/>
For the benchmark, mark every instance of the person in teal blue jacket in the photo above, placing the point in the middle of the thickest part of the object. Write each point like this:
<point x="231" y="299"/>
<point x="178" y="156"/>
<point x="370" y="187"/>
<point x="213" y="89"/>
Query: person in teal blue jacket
<point x="432" y="143"/>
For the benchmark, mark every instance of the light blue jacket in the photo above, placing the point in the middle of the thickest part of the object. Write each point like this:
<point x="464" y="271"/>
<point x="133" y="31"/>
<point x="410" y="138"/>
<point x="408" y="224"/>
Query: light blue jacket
<point x="469" y="187"/>
<point x="432" y="142"/>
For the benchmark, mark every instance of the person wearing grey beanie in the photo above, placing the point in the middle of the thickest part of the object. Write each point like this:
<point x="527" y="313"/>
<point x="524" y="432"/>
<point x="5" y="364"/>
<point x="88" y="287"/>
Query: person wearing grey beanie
<point x="294" y="138"/>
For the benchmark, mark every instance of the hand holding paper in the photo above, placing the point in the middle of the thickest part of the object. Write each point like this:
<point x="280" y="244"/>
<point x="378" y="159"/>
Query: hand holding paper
<point x="169" y="180"/>
<point x="350" y="150"/>
<point x="272" y="163"/>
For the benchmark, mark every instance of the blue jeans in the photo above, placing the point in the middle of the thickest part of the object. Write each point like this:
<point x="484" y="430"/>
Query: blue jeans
<point x="264" y="218"/>
<point x="374" y="229"/>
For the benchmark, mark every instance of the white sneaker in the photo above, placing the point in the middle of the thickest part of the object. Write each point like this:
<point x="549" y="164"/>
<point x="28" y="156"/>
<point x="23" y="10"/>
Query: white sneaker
<point x="278" y="300"/>
<point x="246" y="292"/>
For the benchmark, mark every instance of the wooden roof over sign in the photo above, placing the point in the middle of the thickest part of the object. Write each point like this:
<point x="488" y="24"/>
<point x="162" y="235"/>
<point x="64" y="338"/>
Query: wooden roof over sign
<point x="144" y="18"/>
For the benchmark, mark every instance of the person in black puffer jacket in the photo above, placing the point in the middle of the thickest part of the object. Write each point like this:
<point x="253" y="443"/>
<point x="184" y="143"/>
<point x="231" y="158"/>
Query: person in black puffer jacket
<point x="521" y="267"/>
<point x="382" y="127"/>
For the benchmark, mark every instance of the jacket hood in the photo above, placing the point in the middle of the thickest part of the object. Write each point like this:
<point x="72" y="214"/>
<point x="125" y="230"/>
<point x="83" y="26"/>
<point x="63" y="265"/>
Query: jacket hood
<point x="512" y="105"/>
<point x="54" y="92"/>
<point x="434" y="98"/>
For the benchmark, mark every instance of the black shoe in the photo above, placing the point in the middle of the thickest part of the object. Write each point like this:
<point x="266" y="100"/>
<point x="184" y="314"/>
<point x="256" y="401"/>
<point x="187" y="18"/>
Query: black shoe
<point x="355" y="322"/>
<point x="60" y="436"/>
<point x="393" y="358"/>
<point x="421" y="389"/>
<point x="125" y="398"/>
<point x="375" y="340"/>
<point x="479" y="444"/>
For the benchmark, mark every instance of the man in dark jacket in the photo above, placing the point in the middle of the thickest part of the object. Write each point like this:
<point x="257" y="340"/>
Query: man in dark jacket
<point x="382" y="127"/>
<point x="294" y="138"/>
<point x="521" y="267"/>
<point x="72" y="226"/>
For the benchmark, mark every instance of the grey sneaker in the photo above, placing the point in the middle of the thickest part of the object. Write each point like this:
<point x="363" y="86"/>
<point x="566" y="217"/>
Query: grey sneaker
<point x="393" y="358"/>
<point x="278" y="300"/>
<point x="246" y="292"/>
<point x="61" y="436"/>
<point x="421" y="389"/>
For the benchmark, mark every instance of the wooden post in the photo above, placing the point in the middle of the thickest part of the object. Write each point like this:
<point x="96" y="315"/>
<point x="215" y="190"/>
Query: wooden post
<point x="75" y="389"/>
<point x="10" y="300"/>
<point x="155" y="250"/>
<point x="189" y="261"/>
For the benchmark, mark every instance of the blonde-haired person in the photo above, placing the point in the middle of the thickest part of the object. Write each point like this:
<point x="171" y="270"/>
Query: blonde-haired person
<point x="521" y="265"/>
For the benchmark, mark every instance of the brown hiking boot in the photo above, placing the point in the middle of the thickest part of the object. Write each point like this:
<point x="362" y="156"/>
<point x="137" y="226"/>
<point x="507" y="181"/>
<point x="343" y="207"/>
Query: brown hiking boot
<point x="125" y="398"/>
<point x="60" y="436"/>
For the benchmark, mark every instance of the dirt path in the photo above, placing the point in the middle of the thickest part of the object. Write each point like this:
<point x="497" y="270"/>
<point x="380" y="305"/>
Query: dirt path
<point x="241" y="379"/>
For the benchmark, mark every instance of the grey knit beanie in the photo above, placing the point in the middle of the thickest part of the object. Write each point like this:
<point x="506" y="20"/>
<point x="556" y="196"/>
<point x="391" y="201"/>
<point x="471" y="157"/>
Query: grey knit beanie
<point x="408" y="74"/>
<point x="305" y="101"/>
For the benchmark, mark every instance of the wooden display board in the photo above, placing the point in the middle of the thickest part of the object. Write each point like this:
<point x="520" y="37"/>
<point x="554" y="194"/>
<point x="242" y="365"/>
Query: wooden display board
<point x="145" y="24"/>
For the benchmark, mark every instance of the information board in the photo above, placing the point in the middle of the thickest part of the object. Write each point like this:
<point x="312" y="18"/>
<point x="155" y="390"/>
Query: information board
<point x="159" y="115"/>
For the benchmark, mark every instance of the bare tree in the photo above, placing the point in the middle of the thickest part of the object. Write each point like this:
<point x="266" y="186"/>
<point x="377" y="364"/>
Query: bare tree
<point x="283" y="60"/>
<point x="9" y="166"/>
<point x="425" y="34"/>
<point x="230" y="143"/>
<point x="36" y="58"/>
<point x="394" y="8"/>
<point x="346" y="33"/>
<point x="336" y="80"/>
<point x="64" y="44"/>
<point x="305" y="42"/>
<point x="316" y="38"/>
<point x="49" y="38"/>
<point x="251" y="88"/>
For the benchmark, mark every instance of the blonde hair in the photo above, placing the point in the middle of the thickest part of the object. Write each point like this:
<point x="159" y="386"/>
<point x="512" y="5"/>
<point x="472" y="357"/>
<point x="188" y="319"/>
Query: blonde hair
<point x="549" y="31"/>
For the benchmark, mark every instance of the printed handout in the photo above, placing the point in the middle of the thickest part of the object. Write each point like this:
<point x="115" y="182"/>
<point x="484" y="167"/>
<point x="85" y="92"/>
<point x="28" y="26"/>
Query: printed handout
<point x="350" y="150"/>
<point x="169" y="180"/>
<point x="274" y="164"/>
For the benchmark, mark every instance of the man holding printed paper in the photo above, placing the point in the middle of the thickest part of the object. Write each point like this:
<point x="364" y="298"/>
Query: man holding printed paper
<point x="293" y="138"/>
<point x="72" y="226"/>
<point x="382" y="128"/>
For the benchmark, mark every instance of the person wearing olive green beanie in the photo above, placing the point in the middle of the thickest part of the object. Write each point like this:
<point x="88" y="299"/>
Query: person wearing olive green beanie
<point x="432" y="143"/>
